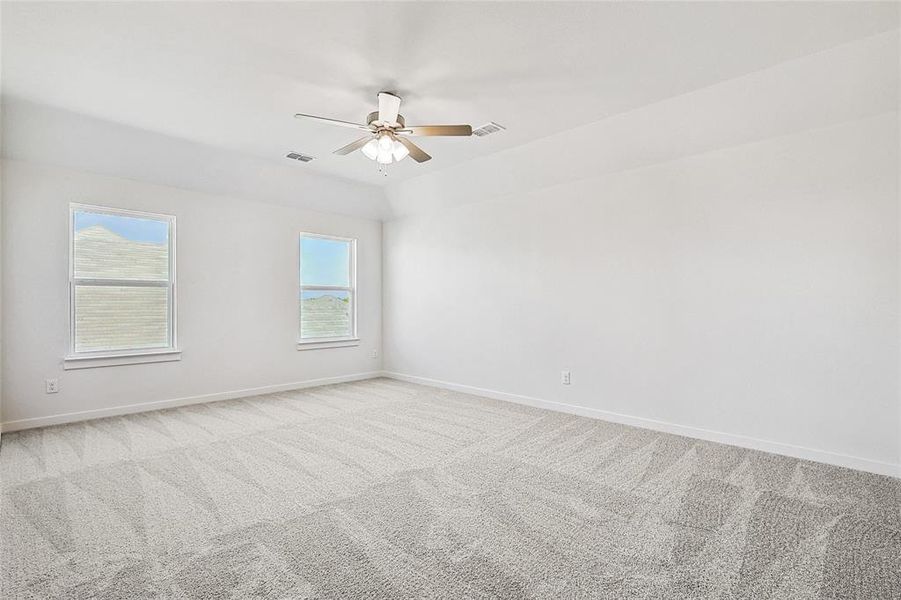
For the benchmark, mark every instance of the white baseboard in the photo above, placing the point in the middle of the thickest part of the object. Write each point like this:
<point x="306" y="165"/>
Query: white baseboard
<point x="116" y="411"/>
<point x="831" y="458"/>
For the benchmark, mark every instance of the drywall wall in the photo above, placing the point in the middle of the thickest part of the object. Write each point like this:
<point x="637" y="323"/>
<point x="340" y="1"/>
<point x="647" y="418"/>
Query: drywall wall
<point x="237" y="297"/>
<point x="751" y="291"/>
<point x="722" y="264"/>
<point x="47" y="134"/>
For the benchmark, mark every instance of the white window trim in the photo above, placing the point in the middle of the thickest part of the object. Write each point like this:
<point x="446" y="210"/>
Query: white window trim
<point x="330" y="342"/>
<point x="335" y="343"/>
<point x="104" y="358"/>
<point x="112" y="360"/>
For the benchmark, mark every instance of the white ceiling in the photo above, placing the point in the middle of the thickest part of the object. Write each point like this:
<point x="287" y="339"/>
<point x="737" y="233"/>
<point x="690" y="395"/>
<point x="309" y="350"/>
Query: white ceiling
<point x="231" y="75"/>
<point x="853" y="81"/>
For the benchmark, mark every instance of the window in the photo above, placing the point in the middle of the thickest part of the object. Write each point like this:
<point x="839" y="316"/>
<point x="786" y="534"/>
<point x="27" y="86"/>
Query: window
<point x="327" y="291"/>
<point x="121" y="287"/>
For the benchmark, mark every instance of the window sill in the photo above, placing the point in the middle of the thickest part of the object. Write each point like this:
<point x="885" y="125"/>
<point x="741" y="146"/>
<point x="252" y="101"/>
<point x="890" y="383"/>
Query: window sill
<point x="114" y="360"/>
<point x="316" y="345"/>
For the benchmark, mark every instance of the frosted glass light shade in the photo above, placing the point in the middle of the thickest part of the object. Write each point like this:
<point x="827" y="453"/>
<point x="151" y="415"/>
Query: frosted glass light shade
<point x="371" y="149"/>
<point x="384" y="156"/>
<point x="385" y="150"/>
<point x="400" y="151"/>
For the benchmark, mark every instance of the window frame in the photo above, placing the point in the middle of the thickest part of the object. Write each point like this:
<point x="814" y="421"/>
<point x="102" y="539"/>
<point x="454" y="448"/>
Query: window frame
<point x="352" y="291"/>
<point x="100" y="358"/>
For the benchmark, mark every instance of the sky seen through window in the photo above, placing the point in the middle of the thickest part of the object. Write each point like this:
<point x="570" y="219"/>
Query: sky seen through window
<point x="130" y="228"/>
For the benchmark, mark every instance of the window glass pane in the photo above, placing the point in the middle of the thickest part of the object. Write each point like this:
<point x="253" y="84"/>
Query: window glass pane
<point x="118" y="247"/>
<point x="324" y="262"/>
<point x="324" y="314"/>
<point x="120" y="318"/>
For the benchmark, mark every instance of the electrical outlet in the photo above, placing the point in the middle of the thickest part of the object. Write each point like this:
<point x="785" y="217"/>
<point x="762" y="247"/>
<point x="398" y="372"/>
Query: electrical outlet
<point x="52" y="385"/>
<point x="565" y="377"/>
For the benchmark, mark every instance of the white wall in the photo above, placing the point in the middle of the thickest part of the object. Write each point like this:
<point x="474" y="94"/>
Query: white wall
<point x="46" y="134"/>
<point x="237" y="296"/>
<point x="751" y="291"/>
<point x="722" y="264"/>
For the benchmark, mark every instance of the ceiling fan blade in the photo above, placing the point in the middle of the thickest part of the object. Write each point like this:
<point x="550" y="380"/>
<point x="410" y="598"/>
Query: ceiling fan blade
<point x="389" y="106"/>
<point x="353" y="146"/>
<point x="333" y="122"/>
<point x="437" y="130"/>
<point x="416" y="153"/>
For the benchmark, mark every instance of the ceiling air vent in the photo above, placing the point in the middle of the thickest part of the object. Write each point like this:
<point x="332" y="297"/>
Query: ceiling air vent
<point x="300" y="157"/>
<point x="488" y="129"/>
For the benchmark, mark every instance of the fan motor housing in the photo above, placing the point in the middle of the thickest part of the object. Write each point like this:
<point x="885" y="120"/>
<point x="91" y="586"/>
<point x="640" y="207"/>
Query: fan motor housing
<point x="374" y="116"/>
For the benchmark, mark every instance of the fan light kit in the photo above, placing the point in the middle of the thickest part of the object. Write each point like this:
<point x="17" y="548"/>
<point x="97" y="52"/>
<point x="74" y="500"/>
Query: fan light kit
<point x="385" y="149"/>
<point x="386" y="140"/>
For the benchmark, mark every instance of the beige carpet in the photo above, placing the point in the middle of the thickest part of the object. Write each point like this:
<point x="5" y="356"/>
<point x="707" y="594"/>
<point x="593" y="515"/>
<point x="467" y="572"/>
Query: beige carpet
<point x="381" y="489"/>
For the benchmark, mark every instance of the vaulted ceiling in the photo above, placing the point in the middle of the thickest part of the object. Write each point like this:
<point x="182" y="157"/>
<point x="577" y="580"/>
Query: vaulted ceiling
<point x="231" y="75"/>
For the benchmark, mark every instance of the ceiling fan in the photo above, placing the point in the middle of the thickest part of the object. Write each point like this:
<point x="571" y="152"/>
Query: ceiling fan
<point x="386" y="140"/>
